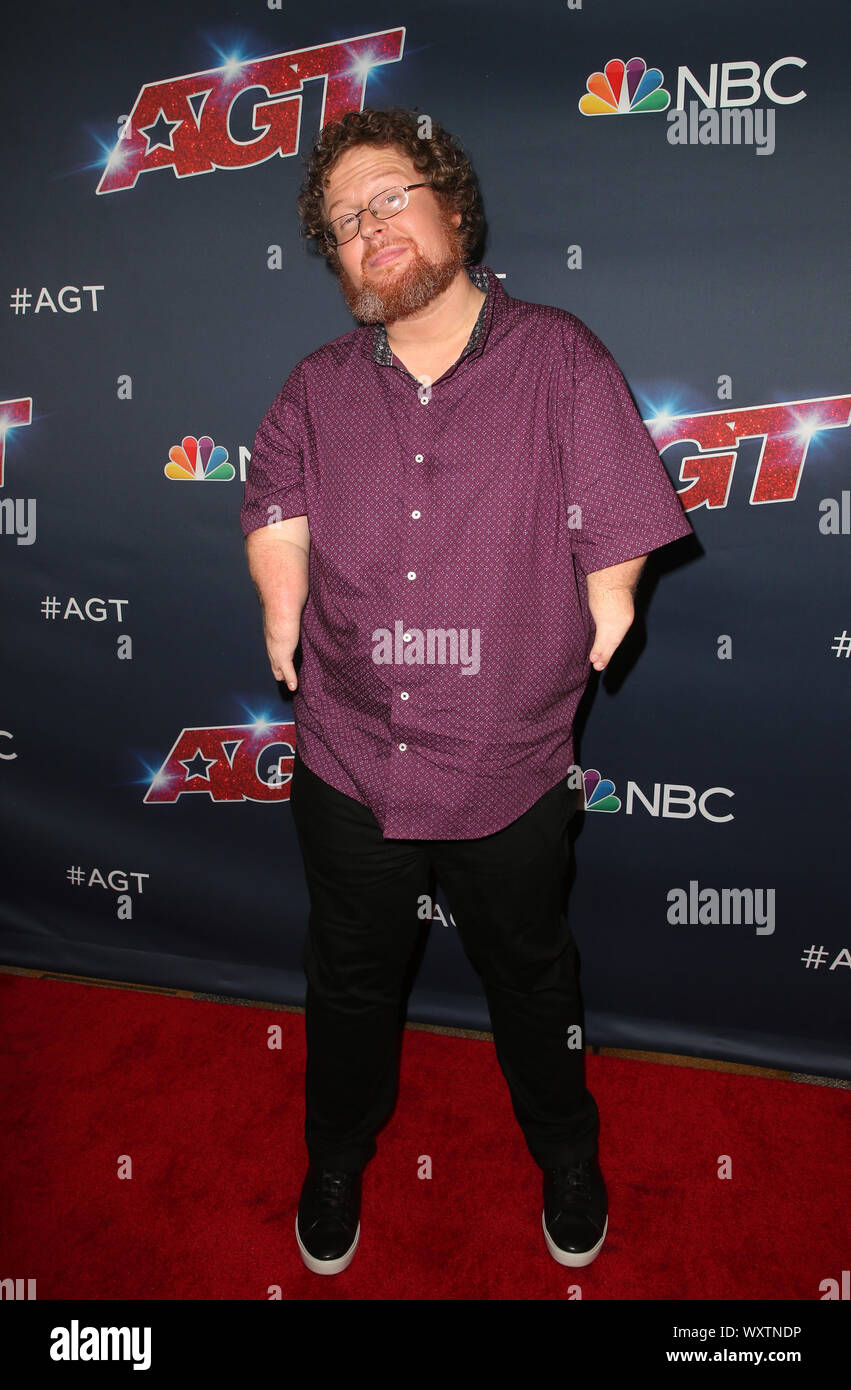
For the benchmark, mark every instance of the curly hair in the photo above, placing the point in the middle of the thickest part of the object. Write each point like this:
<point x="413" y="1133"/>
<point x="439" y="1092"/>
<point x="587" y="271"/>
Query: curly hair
<point x="439" y="158"/>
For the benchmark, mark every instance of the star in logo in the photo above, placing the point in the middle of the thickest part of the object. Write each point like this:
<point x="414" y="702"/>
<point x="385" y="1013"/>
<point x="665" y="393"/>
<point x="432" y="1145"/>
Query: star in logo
<point x="165" y="128"/>
<point x="192" y="768"/>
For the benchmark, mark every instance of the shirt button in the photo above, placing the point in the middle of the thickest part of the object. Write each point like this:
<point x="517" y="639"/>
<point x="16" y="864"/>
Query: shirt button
<point x="403" y="694"/>
<point x="402" y="747"/>
<point x="412" y="574"/>
<point x="415" y="515"/>
<point x="424" y="400"/>
<point x="406" y="636"/>
<point x="418" y="458"/>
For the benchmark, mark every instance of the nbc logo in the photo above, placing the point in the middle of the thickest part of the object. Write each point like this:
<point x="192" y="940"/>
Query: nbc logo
<point x="670" y="800"/>
<point x="200" y="461"/>
<point x="624" y="89"/>
<point x="599" y="792"/>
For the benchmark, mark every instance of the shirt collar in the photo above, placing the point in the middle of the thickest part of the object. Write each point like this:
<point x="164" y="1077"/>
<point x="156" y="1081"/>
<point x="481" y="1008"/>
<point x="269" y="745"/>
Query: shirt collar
<point x="484" y="279"/>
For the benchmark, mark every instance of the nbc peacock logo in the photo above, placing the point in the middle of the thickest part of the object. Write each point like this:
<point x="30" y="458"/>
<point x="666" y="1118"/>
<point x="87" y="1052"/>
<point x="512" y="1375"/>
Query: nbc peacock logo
<point x="199" y="461"/>
<point x="599" y="792"/>
<point x="624" y="89"/>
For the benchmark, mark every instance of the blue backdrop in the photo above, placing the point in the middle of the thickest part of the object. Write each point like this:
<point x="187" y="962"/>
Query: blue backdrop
<point x="689" y="206"/>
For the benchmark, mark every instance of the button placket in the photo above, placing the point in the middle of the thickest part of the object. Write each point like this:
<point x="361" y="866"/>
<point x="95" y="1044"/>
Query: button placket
<point x="416" y="514"/>
<point x="414" y="495"/>
<point x="413" y="574"/>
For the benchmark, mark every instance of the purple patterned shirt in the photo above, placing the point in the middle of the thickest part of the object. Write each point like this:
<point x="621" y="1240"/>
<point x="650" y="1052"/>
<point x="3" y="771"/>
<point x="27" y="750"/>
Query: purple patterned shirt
<point x="446" y="633"/>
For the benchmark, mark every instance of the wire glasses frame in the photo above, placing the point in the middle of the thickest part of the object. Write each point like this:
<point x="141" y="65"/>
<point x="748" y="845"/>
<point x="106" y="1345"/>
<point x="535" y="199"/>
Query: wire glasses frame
<point x="345" y="228"/>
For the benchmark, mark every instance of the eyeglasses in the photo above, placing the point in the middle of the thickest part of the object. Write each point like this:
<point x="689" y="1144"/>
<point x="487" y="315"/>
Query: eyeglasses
<point x="382" y="206"/>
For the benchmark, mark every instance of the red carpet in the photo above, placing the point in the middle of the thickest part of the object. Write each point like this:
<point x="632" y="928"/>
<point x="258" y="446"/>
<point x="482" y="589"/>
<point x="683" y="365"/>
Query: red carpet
<point x="212" y="1121"/>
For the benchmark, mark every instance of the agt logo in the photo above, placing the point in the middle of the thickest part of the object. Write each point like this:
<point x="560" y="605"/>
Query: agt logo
<point x="626" y="89"/>
<point x="239" y="762"/>
<point x="12" y="414"/>
<point x="187" y="123"/>
<point x="785" y="428"/>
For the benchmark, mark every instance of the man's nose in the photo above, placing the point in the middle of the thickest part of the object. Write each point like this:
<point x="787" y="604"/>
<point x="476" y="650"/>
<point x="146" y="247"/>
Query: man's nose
<point x="369" y="223"/>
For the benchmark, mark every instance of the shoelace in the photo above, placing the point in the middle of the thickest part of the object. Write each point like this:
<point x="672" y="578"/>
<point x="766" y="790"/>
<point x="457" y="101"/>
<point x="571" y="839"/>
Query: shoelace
<point x="572" y="1182"/>
<point x="333" y="1190"/>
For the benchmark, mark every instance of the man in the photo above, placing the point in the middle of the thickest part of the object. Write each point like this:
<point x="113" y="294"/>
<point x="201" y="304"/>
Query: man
<point x="449" y="507"/>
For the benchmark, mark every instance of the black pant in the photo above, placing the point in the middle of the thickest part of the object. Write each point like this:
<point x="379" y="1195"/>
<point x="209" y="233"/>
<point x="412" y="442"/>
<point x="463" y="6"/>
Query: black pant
<point x="507" y="894"/>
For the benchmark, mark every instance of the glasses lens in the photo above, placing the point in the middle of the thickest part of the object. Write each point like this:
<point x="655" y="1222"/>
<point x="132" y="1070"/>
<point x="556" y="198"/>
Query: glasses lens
<point x="383" y="205"/>
<point x="342" y="229"/>
<point x="388" y="203"/>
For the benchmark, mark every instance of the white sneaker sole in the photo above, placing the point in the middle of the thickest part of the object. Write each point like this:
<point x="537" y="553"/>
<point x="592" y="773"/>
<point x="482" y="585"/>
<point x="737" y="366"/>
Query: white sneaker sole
<point x="328" y="1266"/>
<point x="578" y="1259"/>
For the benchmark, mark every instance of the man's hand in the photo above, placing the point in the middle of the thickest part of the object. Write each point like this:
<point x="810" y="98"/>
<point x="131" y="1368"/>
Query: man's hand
<point x="610" y="599"/>
<point x="278" y="563"/>
<point x="613" y="614"/>
<point x="281" y="641"/>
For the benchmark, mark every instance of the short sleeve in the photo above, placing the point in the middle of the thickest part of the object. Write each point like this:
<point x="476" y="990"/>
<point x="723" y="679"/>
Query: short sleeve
<point x="613" y="472"/>
<point x="274" y="483"/>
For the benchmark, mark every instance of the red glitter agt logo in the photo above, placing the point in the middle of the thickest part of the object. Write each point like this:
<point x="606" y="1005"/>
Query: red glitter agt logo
<point x="242" y="762"/>
<point x="785" y="428"/>
<point x="184" y="122"/>
<point x="12" y="412"/>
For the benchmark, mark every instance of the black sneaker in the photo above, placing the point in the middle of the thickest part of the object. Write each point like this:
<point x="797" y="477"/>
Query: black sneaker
<point x="327" y="1226"/>
<point x="575" y="1215"/>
